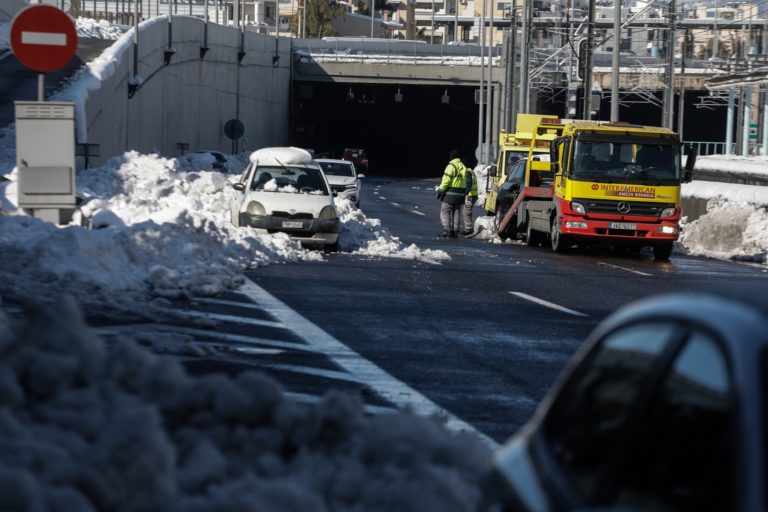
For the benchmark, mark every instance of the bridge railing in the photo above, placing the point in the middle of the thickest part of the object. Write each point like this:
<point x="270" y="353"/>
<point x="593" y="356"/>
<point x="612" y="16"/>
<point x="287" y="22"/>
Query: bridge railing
<point x="350" y="48"/>
<point x="711" y="147"/>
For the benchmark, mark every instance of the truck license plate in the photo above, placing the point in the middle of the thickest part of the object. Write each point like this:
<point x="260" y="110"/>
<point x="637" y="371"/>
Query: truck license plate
<point x="293" y="224"/>
<point x="623" y="225"/>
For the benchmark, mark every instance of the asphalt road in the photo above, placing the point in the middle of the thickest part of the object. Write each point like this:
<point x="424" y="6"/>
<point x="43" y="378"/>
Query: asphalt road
<point x="485" y="334"/>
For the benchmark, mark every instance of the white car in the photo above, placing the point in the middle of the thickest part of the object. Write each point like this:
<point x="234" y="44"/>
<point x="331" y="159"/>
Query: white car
<point x="283" y="190"/>
<point x="343" y="177"/>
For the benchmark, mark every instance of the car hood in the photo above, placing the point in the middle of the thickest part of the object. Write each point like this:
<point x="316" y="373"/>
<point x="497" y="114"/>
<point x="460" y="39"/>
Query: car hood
<point x="287" y="202"/>
<point x="341" y="180"/>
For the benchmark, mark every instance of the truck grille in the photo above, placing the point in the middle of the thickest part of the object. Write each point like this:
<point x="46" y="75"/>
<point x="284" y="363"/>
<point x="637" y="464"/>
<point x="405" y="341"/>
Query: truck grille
<point x="637" y="208"/>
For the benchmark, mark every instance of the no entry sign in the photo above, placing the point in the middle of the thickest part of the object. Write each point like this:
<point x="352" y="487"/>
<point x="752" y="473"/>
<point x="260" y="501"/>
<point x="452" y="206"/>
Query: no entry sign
<point x="43" y="38"/>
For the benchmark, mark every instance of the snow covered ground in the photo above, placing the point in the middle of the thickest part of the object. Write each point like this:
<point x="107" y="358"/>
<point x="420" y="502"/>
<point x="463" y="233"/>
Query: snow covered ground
<point x="89" y="426"/>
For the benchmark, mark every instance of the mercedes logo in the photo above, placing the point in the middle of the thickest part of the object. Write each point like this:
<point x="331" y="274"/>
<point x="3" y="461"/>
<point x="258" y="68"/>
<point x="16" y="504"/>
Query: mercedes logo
<point x="623" y="207"/>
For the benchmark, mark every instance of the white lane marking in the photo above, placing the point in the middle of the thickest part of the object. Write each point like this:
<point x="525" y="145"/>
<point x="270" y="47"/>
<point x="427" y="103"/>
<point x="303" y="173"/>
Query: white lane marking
<point x="395" y="204"/>
<point x="222" y="302"/>
<point x="418" y="213"/>
<point x="625" y="269"/>
<point x="317" y="372"/>
<point x="377" y="379"/>
<point x="254" y="351"/>
<point x="314" y="399"/>
<point x="548" y="304"/>
<point x="218" y="336"/>
<point x="383" y="198"/>
<point x="44" y="38"/>
<point x="232" y="318"/>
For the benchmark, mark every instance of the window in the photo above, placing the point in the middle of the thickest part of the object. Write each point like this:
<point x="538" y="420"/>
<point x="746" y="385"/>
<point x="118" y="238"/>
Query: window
<point x="585" y="426"/>
<point x="679" y="455"/>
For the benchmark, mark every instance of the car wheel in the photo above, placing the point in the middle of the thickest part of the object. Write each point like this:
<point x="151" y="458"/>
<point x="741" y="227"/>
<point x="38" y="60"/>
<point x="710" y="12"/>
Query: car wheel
<point x="662" y="251"/>
<point x="334" y="247"/>
<point x="558" y="241"/>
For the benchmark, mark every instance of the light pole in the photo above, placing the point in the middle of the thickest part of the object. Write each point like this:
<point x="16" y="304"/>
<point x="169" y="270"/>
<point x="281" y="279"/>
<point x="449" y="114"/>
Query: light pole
<point x="372" y="6"/>
<point x="616" y="63"/>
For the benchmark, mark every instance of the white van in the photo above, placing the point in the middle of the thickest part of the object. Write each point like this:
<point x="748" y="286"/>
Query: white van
<point x="284" y="190"/>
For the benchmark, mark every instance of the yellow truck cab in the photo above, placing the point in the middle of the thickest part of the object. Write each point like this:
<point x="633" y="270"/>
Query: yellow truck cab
<point x="513" y="147"/>
<point x="612" y="182"/>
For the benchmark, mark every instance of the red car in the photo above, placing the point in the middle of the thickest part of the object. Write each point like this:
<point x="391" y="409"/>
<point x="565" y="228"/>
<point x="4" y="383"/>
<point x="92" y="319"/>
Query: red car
<point x="358" y="157"/>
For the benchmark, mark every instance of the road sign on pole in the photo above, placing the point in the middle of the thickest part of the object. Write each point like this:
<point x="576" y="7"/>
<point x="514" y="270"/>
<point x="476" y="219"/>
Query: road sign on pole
<point x="43" y="38"/>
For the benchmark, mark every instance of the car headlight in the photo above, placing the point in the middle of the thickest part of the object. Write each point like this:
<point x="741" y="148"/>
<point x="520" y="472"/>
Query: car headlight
<point x="668" y="212"/>
<point x="328" y="213"/>
<point x="256" y="208"/>
<point x="578" y="208"/>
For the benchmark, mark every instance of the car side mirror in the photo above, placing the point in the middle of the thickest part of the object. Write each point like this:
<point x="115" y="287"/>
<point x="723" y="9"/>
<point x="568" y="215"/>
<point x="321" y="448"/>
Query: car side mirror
<point x="239" y="187"/>
<point x="690" y="162"/>
<point x="554" y="167"/>
<point x="361" y="176"/>
<point x="493" y="171"/>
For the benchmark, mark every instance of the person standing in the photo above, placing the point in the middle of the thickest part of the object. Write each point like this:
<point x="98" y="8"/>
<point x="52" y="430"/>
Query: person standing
<point x="470" y="201"/>
<point x="452" y="192"/>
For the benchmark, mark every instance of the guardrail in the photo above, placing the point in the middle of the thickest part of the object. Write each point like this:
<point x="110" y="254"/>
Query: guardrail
<point x="711" y="147"/>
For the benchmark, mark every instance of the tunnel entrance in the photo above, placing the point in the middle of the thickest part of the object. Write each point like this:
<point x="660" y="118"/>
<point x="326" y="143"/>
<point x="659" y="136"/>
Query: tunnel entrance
<point x="406" y="130"/>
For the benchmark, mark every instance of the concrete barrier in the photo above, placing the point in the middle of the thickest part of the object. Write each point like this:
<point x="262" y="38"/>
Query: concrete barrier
<point x="190" y="99"/>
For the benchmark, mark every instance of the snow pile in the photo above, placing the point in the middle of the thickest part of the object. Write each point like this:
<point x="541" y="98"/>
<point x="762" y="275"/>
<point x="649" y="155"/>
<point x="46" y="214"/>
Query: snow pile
<point x="88" y="426"/>
<point x="360" y="235"/>
<point x="160" y="227"/>
<point x="99" y="29"/>
<point x="734" y="164"/>
<point x="730" y="229"/>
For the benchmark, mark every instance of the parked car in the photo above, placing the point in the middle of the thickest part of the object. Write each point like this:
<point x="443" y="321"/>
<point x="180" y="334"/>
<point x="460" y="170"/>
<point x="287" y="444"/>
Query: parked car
<point x="283" y="190"/>
<point x="343" y="178"/>
<point x="218" y="159"/>
<point x="664" y="408"/>
<point x="358" y="157"/>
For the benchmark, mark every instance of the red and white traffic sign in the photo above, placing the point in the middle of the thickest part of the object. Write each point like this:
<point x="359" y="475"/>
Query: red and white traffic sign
<point x="43" y="38"/>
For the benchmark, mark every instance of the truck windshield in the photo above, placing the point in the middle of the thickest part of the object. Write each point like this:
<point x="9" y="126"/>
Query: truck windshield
<point x="626" y="162"/>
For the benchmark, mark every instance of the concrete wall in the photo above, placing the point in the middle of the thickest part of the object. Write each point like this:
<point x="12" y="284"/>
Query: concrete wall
<point x="190" y="100"/>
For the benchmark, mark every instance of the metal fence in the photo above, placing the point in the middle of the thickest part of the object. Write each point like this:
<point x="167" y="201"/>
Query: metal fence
<point x="711" y="147"/>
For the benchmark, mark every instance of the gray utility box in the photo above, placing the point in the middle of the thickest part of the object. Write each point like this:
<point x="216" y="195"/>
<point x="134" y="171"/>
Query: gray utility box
<point x="45" y="158"/>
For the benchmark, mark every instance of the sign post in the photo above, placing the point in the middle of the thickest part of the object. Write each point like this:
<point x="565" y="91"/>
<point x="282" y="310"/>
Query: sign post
<point x="44" y="39"/>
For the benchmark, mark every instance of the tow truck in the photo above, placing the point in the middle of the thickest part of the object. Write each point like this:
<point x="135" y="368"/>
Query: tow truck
<point x="513" y="147"/>
<point x="614" y="183"/>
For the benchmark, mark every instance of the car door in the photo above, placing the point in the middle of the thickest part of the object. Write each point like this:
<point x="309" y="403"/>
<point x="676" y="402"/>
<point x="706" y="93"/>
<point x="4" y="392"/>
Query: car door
<point x="643" y="424"/>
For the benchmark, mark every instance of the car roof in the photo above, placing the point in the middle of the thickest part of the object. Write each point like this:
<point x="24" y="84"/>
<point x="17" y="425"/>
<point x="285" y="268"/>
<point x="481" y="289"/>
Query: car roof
<point x="333" y="161"/>
<point x="281" y="156"/>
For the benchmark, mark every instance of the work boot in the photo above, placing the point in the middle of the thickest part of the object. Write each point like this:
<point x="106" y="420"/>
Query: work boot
<point x="445" y="234"/>
<point x="454" y="234"/>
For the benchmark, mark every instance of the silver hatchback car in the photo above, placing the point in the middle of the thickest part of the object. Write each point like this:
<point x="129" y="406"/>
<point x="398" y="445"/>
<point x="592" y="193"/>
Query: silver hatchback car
<point x="664" y="408"/>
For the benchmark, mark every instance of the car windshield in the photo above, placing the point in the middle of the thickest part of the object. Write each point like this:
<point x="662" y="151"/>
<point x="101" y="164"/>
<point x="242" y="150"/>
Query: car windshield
<point x="626" y="162"/>
<point x="514" y="156"/>
<point x="289" y="180"/>
<point x="337" y="168"/>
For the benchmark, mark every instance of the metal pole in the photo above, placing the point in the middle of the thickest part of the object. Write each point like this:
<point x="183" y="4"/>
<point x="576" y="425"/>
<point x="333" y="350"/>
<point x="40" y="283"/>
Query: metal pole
<point x="681" y="101"/>
<point x="135" y="39"/>
<point x="524" y="94"/>
<point x="729" y="122"/>
<point x="432" y="36"/>
<point x="481" y="149"/>
<point x="372" y="8"/>
<point x="747" y="106"/>
<point x="304" y="21"/>
<point x="715" y="35"/>
<point x="669" y="90"/>
<point x="587" y="114"/>
<point x="765" y="120"/>
<point x="505" y="94"/>
<point x="41" y="87"/>
<point x="616" y="63"/>
<point x="456" y="22"/>
<point x="511" y="63"/>
<point x="489" y="93"/>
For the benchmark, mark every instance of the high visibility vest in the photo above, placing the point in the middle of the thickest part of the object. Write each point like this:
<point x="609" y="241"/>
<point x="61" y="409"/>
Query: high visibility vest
<point x="454" y="182"/>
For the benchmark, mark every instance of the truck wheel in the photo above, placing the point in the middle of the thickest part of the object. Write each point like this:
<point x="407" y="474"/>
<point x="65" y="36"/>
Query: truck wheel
<point x="662" y="252"/>
<point x="499" y="216"/>
<point x="532" y="237"/>
<point x="556" y="237"/>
